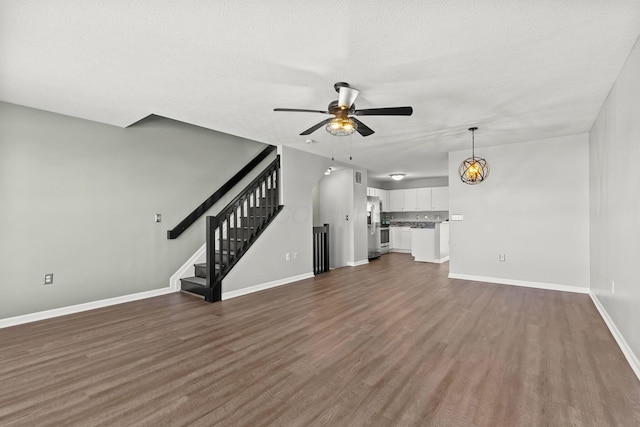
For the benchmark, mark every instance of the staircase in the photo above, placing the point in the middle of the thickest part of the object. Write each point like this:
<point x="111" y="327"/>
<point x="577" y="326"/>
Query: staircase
<point x="232" y="232"/>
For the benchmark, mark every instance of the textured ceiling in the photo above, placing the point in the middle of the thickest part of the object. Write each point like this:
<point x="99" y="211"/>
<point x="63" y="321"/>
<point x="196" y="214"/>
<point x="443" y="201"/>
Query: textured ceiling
<point x="519" y="70"/>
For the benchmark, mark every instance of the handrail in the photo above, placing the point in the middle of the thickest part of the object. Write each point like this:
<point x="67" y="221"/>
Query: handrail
<point x="207" y="204"/>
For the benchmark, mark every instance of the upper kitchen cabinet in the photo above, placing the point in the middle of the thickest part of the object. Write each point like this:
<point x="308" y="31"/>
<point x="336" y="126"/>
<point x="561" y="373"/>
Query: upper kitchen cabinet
<point x="423" y="199"/>
<point x="440" y="199"/>
<point x="417" y="200"/>
<point x="384" y="200"/>
<point x="383" y="195"/>
<point x="410" y="200"/>
<point x="396" y="200"/>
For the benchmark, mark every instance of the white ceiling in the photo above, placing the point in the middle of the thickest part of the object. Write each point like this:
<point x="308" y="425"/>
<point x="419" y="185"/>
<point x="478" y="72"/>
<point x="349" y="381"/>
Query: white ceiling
<point x="519" y="70"/>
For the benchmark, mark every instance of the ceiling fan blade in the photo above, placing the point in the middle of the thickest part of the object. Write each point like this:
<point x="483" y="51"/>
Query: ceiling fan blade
<point x="316" y="127"/>
<point x="362" y="129"/>
<point x="347" y="96"/>
<point x="301" y="110"/>
<point x="390" y="111"/>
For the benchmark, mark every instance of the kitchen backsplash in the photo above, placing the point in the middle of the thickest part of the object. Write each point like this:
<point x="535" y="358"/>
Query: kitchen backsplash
<point x="435" y="216"/>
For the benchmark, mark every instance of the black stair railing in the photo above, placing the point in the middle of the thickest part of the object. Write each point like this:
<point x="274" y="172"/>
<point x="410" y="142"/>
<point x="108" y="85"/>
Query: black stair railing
<point x="238" y="225"/>
<point x="321" y="249"/>
<point x="207" y="204"/>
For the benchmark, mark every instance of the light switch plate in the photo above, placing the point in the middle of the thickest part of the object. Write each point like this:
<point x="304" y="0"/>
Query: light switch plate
<point x="158" y="218"/>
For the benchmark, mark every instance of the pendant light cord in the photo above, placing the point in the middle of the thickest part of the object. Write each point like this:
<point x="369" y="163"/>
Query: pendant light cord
<point x="473" y="144"/>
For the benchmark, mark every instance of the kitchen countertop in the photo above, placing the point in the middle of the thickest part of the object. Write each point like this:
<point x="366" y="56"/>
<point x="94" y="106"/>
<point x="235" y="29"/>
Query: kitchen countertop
<point x="415" y="224"/>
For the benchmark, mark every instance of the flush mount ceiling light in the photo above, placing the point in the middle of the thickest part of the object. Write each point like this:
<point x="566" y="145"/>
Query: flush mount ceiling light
<point x="397" y="176"/>
<point x="341" y="126"/>
<point x="473" y="170"/>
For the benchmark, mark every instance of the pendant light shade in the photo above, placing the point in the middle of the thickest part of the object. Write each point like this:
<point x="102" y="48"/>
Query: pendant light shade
<point x="473" y="170"/>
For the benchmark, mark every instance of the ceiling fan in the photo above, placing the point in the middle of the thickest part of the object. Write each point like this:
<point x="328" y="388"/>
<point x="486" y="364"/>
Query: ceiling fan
<point x="344" y="110"/>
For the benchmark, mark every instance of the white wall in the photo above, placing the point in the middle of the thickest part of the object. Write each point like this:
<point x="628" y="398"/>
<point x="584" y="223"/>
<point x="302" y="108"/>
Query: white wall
<point x="335" y="202"/>
<point x="615" y="206"/>
<point x="534" y="207"/>
<point x="78" y="198"/>
<point x="359" y="220"/>
<point x="338" y="196"/>
<point x="291" y="231"/>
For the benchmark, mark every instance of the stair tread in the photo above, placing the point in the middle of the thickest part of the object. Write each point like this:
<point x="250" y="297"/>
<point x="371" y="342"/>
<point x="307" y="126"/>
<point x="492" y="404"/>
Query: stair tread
<point x="195" y="280"/>
<point x="204" y="265"/>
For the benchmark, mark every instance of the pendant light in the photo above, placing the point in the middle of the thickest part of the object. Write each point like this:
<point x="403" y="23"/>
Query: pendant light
<point x="473" y="170"/>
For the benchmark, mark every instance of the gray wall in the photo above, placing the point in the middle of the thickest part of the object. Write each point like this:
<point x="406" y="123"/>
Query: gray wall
<point x="534" y="207"/>
<point x="78" y="198"/>
<point x="614" y="144"/>
<point x="291" y="231"/>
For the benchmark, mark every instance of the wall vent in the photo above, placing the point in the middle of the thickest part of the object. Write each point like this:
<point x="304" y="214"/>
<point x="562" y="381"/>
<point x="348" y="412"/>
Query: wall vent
<point x="357" y="177"/>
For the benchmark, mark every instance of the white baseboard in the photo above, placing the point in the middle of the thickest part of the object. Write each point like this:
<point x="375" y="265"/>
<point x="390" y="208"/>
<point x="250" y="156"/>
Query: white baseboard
<point x="437" y="261"/>
<point x="263" y="286"/>
<point x="401" y="251"/>
<point x="63" y="311"/>
<point x="622" y="343"/>
<point x="357" y="263"/>
<point x="187" y="268"/>
<point x="527" y="284"/>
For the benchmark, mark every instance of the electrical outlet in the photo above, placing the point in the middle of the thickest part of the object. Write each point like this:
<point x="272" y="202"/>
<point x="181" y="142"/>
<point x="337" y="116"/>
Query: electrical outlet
<point x="287" y="256"/>
<point x="295" y="255"/>
<point x="502" y="257"/>
<point x="457" y="217"/>
<point x="613" y="286"/>
<point x="48" y="279"/>
<point x="158" y="218"/>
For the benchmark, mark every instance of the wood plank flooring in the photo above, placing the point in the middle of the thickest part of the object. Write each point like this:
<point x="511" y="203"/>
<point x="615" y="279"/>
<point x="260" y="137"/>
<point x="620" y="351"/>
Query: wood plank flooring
<point x="392" y="343"/>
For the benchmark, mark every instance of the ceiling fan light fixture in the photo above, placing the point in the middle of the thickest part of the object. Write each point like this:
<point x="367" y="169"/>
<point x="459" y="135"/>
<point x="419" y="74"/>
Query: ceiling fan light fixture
<point x="397" y="176"/>
<point x="341" y="126"/>
<point x="473" y="170"/>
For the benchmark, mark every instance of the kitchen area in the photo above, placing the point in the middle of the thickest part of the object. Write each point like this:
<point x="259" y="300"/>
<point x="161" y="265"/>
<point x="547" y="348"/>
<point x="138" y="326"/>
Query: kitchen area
<point x="414" y="221"/>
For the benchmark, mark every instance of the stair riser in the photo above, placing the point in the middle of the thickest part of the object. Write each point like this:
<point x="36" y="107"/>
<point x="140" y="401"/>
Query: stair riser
<point x="201" y="270"/>
<point x="192" y="287"/>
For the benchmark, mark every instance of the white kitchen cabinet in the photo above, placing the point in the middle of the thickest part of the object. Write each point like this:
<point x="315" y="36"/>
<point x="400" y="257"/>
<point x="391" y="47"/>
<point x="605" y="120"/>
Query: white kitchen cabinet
<point x="384" y="199"/>
<point x="423" y="199"/>
<point x="440" y="199"/>
<point x="394" y="232"/>
<point x="416" y="199"/>
<point x="396" y="200"/>
<point x="410" y="199"/>
<point x="400" y="239"/>
<point x="404" y="244"/>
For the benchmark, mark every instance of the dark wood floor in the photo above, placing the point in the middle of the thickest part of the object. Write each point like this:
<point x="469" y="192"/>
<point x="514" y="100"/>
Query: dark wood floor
<point x="391" y="343"/>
